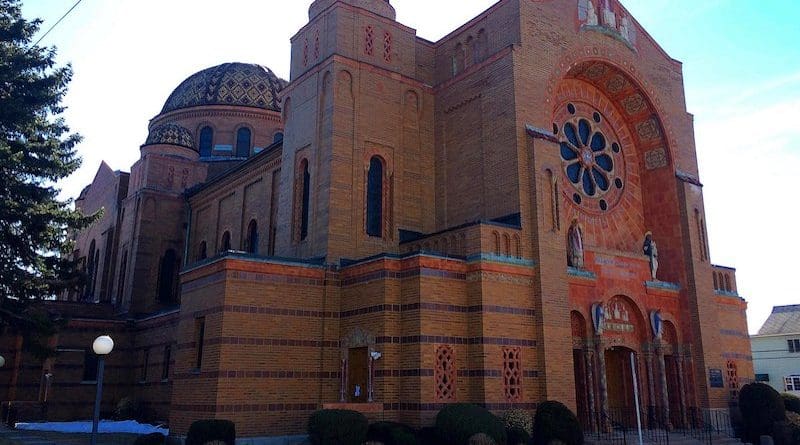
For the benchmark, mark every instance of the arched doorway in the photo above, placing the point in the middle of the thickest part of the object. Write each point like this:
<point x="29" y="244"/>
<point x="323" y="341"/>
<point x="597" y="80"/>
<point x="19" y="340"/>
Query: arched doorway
<point x="582" y="369"/>
<point x="619" y="378"/>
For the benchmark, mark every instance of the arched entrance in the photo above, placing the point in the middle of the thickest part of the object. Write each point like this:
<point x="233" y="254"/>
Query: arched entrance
<point x="619" y="378"/>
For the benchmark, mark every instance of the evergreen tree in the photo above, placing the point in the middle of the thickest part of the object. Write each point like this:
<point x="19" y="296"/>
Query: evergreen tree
<point x="36" y="150"/>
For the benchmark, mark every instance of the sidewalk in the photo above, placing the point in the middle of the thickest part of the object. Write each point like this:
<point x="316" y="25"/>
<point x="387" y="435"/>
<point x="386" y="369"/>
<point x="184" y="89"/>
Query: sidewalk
<point x="22" y="437"/>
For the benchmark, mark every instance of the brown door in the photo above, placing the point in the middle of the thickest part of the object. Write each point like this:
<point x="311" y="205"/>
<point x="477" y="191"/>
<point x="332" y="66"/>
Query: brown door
<point x="357" y="375"/>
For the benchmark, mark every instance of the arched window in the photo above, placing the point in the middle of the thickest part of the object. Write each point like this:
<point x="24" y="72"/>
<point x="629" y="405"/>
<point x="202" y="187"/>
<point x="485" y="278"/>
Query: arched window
<point x="375" y="197"/>
<point x="305" y="201"/>
<point x="278" y="137"/>
<point x="458" y="59"/>
<point x="728" y="283"/>
<point x="716" y="282"/>
<point x="252" y="237"/>
<point x="225" y="245"/>
<point x="243" y="137"/>
<point x="202" y="251"/>
<point x="206" y="141"/>
<point x="167" y="277"/>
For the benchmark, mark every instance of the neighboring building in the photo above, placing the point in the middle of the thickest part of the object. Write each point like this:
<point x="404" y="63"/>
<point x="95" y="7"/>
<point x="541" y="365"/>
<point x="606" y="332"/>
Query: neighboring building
<point x="776" y="350"/>
<point x="407" y="224"/>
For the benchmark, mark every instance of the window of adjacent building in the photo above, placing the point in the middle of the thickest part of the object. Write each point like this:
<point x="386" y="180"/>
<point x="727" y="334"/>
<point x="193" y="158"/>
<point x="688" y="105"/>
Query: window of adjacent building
<point x="762" y="377"/>
<point x="225" y="245"/>
<point x="375" y="197"/>
<point x="445" y="373"/>
<point x="792" y="383"/>
<point x="243" y="137"/>
<point x="252" y="237"/>
<point x="167" y="277"/>
<point x="89" y="366"/>
<point x="794" y="345"/>
<point x="166" y="362"/>
<point x="200" y="334"/>
<point x="206" y="141"/>
<point x="145" y="365"/>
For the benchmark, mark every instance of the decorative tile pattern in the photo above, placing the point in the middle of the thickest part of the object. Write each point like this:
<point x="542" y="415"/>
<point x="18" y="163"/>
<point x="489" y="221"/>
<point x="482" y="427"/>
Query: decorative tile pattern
<point x="445" y="374"/>
<point x="170" y="134"/>
<point x="656" y="158"/>
<point x="634" y="104"/>
<point x="512" y="373"/>
<point x="387" y="47"/>
<point x="228" y="84"/>
<point x="369" y="40"/>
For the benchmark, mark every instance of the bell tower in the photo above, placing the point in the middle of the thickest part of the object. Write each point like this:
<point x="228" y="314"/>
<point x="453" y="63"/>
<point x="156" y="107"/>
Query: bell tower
<point x="379" y="7"/>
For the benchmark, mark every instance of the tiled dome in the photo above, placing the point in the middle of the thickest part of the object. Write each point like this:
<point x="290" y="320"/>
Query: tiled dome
<point x="240" y="84"/>
<point x="171" y="134"/>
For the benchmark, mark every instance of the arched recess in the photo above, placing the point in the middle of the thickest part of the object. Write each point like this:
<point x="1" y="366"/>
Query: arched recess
<point x="252" y="237"/>
<point x="625" y="322"/>
<point x="375" y="201"/>
<point x="225" y="242"/>
<point x="244" y="142"/>
<point x="168" y="277"/>
<point x="632" y="197"/>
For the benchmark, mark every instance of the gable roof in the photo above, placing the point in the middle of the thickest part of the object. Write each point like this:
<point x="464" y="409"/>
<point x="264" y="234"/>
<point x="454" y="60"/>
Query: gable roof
<point x="782" y="320"/>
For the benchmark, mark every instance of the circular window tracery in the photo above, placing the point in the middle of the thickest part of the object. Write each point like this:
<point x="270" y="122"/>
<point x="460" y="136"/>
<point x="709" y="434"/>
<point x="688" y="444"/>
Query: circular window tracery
<point x="591" y="156"/>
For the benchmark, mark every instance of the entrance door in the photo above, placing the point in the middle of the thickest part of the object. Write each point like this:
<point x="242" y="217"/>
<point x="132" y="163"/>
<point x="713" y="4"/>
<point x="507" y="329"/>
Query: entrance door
<point x="619" y="381"/>
<point x="357" y="375"/>
<point x="673" y="387"/>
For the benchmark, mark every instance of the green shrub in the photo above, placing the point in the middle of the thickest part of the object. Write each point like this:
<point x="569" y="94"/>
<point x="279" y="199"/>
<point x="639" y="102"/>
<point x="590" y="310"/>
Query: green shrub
<point x="337" y="427"/>
<point x="202" y="431"/>
<point x="456" y="423"/>
<point x="428" y="436"/>
<point x="481" y="439"/>
<point x="518" y="418"/>
<point x="788" y="431"/>
<point x="150" y="439"/>
<point x="554" y="421"/>
<point x="791" y="402"/>
<point x="761" y="408"/>
<point x="129" y="408"/>
<point x="391" y="433"/>
<point x="518" y="436"/>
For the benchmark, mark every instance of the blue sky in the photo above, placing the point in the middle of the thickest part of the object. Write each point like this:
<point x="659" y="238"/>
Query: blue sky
<point x="741" y="69"/>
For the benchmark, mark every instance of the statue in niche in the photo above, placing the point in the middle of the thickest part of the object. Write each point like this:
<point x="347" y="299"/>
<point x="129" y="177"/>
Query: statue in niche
<point x="591" y="17"/>
<point x="575" y="245"/>
<point x="609" y="19"/>
<point x="650" y="249"/>
<point x="625" y="28"/>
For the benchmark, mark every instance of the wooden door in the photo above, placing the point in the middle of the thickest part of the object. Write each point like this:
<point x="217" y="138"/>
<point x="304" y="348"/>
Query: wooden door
<point x="357" y="375"/>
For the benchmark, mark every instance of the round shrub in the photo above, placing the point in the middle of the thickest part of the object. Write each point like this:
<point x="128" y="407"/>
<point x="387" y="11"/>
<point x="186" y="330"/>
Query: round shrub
<point x="481" y="439"/>
<point x="761" y="408"/>
<point x="202" y="431"/>
<point x="555" y="422"/>
<point x="791" y="402"/>
<point x="456" y="423"/>
<point x="428" y="436"/>
<point x="518" y="436"/>
<point x="337" y="427"/>
<point x="391" y="433"/>
<point x="518" y="418"/>
<point x="150" y="439"/>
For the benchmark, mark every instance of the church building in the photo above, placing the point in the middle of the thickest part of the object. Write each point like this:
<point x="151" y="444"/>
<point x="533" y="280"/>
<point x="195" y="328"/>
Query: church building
<point x="509" y="215"/>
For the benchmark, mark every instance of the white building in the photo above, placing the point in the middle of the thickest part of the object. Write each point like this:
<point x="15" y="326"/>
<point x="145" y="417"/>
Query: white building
<point x="776" y="350"/>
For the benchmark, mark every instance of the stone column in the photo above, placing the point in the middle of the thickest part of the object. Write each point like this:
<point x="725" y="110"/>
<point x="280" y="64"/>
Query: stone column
<point x="602" y="384"/>
<point x="651" y="389"/>
<point x="682" y="387"/>
<point x="589" y="357"/>
<point x="370" y="377"/>
<point x="662" y="374"/>
<point x="343" y="383"/>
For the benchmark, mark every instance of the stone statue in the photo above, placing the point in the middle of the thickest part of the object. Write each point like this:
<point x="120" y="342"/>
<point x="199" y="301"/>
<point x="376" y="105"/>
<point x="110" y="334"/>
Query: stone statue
<point x="609" y="19"/>
<point x="650" y="249"/>
<point x="591" y="17"/>
<point x="625" y="28"/>
<point x="575" y="245"/>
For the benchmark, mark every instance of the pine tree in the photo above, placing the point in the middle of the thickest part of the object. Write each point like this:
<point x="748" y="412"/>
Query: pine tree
<point x="36" y="150"/>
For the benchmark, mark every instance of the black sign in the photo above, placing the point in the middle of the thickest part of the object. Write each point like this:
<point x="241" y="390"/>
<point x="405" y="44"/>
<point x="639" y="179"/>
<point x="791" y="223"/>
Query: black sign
<point x="715" y="378"/>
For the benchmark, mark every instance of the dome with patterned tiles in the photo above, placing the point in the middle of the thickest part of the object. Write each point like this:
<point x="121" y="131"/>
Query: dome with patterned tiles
<point x="171" y="134"/>
<point x="241" y="84"/>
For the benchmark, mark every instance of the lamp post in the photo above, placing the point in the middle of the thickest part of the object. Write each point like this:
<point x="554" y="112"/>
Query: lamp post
<point x="102" y="346"/>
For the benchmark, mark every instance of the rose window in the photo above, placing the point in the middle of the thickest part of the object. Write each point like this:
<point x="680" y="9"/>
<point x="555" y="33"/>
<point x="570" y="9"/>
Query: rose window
<point x="591" y="157"/>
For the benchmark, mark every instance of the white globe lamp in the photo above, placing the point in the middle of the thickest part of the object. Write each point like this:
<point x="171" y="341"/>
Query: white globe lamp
<point x="103" y="345"/>
<point x="2" y="361"/>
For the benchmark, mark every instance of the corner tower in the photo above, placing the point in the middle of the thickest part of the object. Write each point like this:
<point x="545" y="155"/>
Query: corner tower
<point x="358" y="121"/>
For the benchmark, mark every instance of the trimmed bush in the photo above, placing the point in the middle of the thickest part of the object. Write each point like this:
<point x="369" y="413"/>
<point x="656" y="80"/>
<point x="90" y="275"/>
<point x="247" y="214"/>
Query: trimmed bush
<point x="761" y="408"/>
<point x="791" y="402"/>
<point x="337" y="427"/>
<point x="554" y="421"/>
<point x="456" y="423"/>
<point x="518" y="436"/>
<point x="391" y="433"/>
<point x="518" y="418"/>
<point x="481" y="439"/>
<point x="150" y="439"/>
<point x="202" y="431"/>
<point x="428" y="436"/>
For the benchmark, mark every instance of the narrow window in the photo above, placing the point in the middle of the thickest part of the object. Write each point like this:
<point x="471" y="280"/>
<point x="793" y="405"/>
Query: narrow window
<point x="375" y="197"/>
<point x="145" y="365"/>
<point x="727" y="282"/>
<point x="206" y="141"/>
<point x="273" y="211"/>
<point x="202" y="251"/>
<point x="122" y="271"/>
<point x="716" y="282"/>
<point x="89" y="366"/>
<point x="90" y="269"/>
<point x="243" y="137"/>
<point x="306" y="196"/>
<point x="167" y="277"/>
<point x="200" y="334"/>
<point x="166" y="362"/>
<point x="225" y="245"/>
<point x="252" y="237"/>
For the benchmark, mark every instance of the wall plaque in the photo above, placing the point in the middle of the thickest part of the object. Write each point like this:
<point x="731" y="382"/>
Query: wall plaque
<point x="715" y="378"/>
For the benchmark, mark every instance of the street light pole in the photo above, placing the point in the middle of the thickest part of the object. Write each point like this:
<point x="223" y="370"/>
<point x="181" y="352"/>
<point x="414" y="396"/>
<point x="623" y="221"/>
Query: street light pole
<point x="102" y="346"/>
